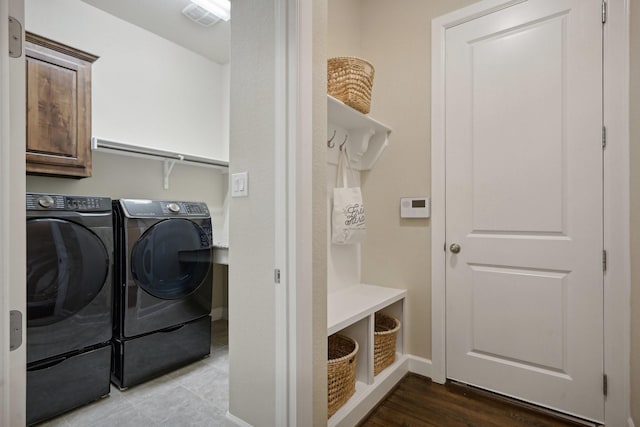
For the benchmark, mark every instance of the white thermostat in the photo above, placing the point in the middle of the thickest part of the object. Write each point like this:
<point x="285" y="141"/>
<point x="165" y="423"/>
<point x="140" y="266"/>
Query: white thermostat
<point x="415" y="207"/>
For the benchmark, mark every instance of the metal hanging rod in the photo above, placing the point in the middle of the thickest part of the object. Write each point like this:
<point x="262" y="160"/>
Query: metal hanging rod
<point x="132" y="150"/>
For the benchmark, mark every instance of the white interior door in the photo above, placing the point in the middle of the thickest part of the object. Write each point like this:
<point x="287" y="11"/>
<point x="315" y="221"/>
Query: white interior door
<point x="12" y="219"/>
<point x="524" y="294"/>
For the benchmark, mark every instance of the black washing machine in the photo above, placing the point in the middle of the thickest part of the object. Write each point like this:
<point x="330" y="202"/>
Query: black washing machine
<point x="163" y="287"/>
<point x="69" y="302"/>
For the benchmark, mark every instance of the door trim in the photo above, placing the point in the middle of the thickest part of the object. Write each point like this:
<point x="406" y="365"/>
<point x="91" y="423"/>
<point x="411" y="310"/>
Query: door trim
<point x="12" y="220"/>
<point x="617" y="281"/>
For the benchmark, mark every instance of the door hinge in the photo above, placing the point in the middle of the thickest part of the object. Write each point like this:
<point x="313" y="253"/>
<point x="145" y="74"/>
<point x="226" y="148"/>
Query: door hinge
<point x="604" y="260"/>
<point x="604" y="11"/>
<point x="604" y="137"/>
<point x="15" y="330"/>
<point x="605" y="384"/>
<point x="15" y="38"/>
<point x="276" y="275"/>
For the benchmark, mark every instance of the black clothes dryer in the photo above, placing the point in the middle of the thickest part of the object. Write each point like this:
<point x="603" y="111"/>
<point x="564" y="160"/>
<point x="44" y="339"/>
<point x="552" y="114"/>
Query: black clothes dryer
<point x="164" y="280"/>
<point x="69" y="302"/>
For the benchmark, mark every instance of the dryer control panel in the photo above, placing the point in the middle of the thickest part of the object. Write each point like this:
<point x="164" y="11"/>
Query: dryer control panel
<point x="135" y="208"/>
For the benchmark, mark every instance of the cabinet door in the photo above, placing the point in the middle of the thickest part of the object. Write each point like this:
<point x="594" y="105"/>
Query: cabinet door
<point x="58" y="109"/>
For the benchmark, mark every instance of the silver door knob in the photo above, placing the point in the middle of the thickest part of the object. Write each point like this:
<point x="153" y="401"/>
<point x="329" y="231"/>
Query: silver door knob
<point x="454" y="248"/>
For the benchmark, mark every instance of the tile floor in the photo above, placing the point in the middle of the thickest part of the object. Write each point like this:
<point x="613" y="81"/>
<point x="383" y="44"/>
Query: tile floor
<point x="195" y="395"/>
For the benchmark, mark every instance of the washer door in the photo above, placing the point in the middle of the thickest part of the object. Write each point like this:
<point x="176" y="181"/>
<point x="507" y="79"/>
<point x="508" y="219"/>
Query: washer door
<point x="171" y="259"/>
<point x="67" y="266"/>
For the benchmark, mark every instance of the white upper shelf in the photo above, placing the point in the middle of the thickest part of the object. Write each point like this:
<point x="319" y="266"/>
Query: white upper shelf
<point x="353" y="303"/>
<point x="169" y="158"/>
<point x="98" y="144"/>
<point x="366" y="138"/>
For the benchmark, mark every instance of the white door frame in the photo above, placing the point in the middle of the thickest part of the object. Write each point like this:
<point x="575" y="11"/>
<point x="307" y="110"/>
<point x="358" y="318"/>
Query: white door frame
<point x="617" y="286"/>
<point x="293" y="203"/>
<point x="12" y="221"/>
<point x="293" y="227"/>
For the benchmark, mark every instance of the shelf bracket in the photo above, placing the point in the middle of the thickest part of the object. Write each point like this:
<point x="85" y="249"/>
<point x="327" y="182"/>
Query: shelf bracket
<point x="168" y="168"/>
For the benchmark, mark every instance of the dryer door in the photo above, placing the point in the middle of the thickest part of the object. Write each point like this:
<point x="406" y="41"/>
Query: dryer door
<point x="169" y="276"/>
<point x="171" y="259"/>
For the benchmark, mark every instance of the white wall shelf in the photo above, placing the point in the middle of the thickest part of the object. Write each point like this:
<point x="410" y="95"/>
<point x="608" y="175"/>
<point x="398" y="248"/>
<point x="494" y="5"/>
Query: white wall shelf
<point x="366" y="138"/>
<point x="168" y="157"/>
<point x="351" y="312"/>
<point x="348" y="305"/>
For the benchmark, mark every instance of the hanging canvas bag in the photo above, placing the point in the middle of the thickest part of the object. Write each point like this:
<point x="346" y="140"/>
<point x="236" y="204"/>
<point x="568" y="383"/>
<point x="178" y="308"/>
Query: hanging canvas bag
<point x="347" y="217"/>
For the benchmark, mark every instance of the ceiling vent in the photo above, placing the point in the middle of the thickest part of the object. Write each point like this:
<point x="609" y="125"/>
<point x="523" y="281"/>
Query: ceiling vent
<point x="200" y="15"/>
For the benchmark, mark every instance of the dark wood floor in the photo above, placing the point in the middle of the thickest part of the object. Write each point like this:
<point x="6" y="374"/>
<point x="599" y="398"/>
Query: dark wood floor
<point x="418" y="402"/>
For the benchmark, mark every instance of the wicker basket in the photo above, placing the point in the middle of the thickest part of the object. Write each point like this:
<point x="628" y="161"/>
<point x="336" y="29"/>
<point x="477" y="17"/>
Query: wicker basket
<point x="384" y="342"/>
<point x="341" y="371"/>
<point x="350" y="80"/>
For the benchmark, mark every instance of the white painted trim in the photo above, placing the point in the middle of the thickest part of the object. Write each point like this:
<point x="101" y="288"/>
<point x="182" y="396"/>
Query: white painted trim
<point x="616" y="205"/>
<point x="630" y="422"/>
<point x="281" y="253"/>
<point x="438" y="236"/>
<point x="301" y="48"/>
<point x="12" y="220"/>
<point x="233" y="421"/>
<point x="420" y="366"/>
<point x="219" y="313"/>
<point x="617" y="281"/>
<point x="5" y="250"/>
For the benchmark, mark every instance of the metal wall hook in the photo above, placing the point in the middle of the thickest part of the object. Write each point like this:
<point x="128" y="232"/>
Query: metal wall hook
<point x="344" y="142"/>
<point x="331" y="144"/>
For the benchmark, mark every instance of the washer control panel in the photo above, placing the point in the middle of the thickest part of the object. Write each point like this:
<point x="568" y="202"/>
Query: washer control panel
<point x="59" y="202"/>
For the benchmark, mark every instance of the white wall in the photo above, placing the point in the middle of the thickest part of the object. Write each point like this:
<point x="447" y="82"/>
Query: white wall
<point x="146" y="90"/>
<point x="150" y="92"/>
<point x="252" y="362"/>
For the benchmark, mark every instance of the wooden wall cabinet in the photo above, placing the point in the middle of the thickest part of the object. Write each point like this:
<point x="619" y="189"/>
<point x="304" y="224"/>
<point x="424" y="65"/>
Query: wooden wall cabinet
<point x="58" y="108"/>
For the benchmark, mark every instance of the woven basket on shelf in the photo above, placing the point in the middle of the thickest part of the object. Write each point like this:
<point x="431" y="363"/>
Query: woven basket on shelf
<point x="350" y="80"/>
<point x="341" y="371"/>
<point x="384" y="342"/>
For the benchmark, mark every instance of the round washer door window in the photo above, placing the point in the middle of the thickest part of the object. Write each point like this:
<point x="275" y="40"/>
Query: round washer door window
<point x="67" y="265"/>
<point x="171" y="259"/>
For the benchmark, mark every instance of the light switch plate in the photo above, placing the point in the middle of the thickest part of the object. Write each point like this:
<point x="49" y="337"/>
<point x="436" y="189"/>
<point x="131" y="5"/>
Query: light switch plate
<point x="240" y="184"/>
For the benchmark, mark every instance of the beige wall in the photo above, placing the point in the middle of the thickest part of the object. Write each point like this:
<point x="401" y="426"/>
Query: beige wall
<point x="344" y="35"/>
<point x="635" y="211"/>
<point x="397" y="40"/>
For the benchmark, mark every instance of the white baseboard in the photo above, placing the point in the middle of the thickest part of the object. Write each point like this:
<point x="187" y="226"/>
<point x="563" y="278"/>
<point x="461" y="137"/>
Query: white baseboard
<point x="631" y="423"/>
<point x="420" y="365"/>
<point x="233" y="421"/>
<point x="220" y="313"/>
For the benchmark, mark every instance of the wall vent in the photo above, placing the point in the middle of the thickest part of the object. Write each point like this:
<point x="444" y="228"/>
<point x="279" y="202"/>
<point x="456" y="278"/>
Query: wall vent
<point x="200" y="15"/>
